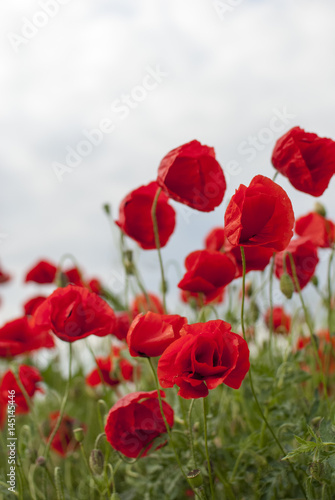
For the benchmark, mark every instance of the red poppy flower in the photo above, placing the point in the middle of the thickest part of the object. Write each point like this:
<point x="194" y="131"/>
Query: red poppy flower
<point x="29" y="377"/>
<point x="195" y="300"/>
<point x="191" y="175"/>
<point x="280" y="320"/>
<point x="122" y="324"/>
<point x="326" y="350"/>
<point x="95" y="286"/>
<point x="141" y="305"/>
<point x="151" y="333"/>
<point x="32" y="304"/>
<point x="135" y="218"/>
<point x="206" y="355"/>
<point x="74" y="277"/>
<point x="305" y="258"/>
<point x="260" y="215"/>
<point x="206" y="271"/>
<point x="4" y="277"/>
<point x="308" y="161"/>
<point x="135" y="421"/>
<point x="73" y="313"/>
<point x="105" y="366"/>
<point x="43" y="272"/>
<point x="21" y="335"/>
<point x="256" y="258"/>
<point x="216" y="239"/>
<point x="319" y="230"/>
<point x="64" y="441"/>
<point x="109" y="368"/>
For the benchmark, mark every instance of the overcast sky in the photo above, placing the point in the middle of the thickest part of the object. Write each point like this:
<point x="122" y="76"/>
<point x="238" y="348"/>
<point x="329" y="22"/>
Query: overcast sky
<point x="227" y="73"/>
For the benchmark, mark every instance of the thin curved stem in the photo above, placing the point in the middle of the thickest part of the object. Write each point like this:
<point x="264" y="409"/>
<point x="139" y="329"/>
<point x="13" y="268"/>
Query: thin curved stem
<point x="158" y="245"/>
<point x="251" y="380"/>
<point x="310" y="327"/>
<point x="62" y="408"/>
<point x="167" y="426"/>
<point x="211" y="484"/>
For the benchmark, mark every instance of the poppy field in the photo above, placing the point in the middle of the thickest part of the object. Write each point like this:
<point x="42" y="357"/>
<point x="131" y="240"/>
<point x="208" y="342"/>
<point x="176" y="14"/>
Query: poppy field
<point x="227" y="395"/>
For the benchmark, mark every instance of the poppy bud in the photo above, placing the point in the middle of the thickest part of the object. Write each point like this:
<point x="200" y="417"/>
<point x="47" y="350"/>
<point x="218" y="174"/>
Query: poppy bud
<point x="195" y="478"/>
<point x="164" y="287"/>
<point x="61" y="280"/>
<point x="79" y="434"/>
<point x="315" y="281"/>
<point x="317" y="470"/>
<point x="286" y="285"/>
<point x="106" y="207"/>
<point x="40" y="461"/>
<point x="128" y="262"/>
<point x="59" y="482"/>
<point x="96" y="462"/>
<point x="320" y="209"/>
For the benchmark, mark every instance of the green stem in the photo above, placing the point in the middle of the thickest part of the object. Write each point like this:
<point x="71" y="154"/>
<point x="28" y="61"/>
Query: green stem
<point x="167" y="425"/>
<point x="83" y="454"/>
<point x="271" y="308"/>
<point x="330" y="291"/>
<point x="98" y="368"/>
<point x="191" y="433"/>
<point x="142" y="287"/>
<point x="62" y="408"/>
<point x="211" y="484"/>
<point x="158" y="245"/>
<point x="252" y="384"/>
<point x="310" y="327"/>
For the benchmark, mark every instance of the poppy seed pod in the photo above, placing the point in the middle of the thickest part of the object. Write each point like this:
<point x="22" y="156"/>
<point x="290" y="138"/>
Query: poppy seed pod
<point x="195" y="478"/>
<point x="286" y="285"/>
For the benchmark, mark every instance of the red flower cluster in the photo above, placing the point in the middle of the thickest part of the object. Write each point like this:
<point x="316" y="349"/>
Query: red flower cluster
<point x="305" y="259"/>
<point x="308" y="161"/>
<point x="281" y="322"/>
<point x="141" y="305"/>
<point x="44" y="272"/>
<point x="206" y="355"/>
<point x="112" y="370"/>
<point x="326" y="350"/>
<point x="29" y="378"/>
<point x="64" y="441"/>
<point x="73" y="313"/>
<point x="318" y="229"/>
<point x="22" y="335"/>
<point x="135" y="421"/>
<point x="257" y="258"/>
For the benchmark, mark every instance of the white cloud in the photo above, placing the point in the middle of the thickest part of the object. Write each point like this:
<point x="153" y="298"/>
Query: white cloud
<point x="225" y="79"/>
